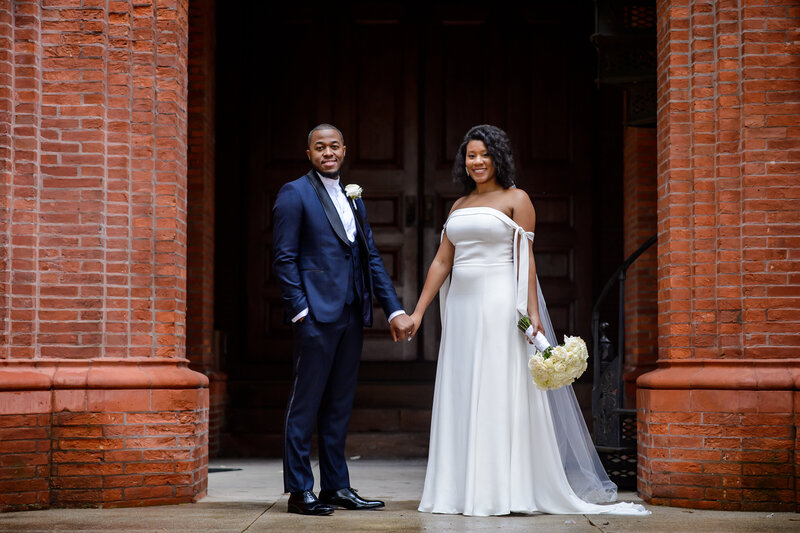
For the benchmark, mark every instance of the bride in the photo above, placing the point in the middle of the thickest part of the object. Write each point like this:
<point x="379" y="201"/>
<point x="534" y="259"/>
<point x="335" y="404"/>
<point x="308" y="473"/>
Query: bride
<point x="498" y="444"/>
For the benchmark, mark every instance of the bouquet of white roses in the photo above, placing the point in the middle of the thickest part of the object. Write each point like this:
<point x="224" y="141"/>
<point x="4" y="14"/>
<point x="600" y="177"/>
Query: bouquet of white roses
<point x="553" y="367"/>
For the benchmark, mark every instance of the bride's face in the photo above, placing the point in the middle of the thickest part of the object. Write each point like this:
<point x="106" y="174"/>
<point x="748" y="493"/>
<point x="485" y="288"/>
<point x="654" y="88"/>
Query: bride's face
<point x="479" y="163"/>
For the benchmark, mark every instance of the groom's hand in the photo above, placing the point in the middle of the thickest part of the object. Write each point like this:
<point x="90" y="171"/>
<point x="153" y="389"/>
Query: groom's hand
<point x="401" y="327"/>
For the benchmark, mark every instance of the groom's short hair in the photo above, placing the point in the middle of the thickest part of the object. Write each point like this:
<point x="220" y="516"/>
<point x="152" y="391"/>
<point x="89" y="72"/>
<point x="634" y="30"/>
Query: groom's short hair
<point x="324" y="126"/>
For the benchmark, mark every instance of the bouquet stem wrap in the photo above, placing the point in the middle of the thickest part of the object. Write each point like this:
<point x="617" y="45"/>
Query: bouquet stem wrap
<point x="538" y="340"/>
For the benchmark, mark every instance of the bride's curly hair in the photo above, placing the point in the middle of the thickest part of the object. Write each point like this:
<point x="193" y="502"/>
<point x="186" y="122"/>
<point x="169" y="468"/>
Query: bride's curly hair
<point x="499" y="148"/>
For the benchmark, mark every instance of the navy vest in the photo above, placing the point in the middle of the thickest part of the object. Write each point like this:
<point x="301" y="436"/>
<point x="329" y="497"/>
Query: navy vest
<point x="355" y="278"/>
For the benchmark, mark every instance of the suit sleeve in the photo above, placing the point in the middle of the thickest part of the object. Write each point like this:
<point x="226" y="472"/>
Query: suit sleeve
<point x="381" y="282"/>
<point x="287" y="219"/>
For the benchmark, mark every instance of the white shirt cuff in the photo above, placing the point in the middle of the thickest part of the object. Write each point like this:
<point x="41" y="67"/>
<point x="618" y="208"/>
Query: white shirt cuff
<point x="300" y="315"/>
<point x="400" y="312"/>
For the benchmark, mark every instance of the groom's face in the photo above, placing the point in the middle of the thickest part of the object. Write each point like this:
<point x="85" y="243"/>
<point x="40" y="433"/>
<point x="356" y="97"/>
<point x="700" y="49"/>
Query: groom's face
<point x="326" y="152"/>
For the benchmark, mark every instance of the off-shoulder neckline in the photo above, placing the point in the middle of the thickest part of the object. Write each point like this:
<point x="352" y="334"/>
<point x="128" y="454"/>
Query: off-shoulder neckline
<point x="500" y="214"/>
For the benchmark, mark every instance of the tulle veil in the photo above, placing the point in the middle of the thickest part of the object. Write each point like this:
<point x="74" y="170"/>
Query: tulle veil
<point x="585" y="472"/>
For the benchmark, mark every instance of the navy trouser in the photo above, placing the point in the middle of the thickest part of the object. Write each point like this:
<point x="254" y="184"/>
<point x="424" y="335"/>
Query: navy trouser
<point x="326" y="361"/>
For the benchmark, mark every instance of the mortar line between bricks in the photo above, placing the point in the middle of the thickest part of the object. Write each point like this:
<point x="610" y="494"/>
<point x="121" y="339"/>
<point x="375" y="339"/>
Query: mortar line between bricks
<point x="38" y="52"/>
<point x="105" y="186"/>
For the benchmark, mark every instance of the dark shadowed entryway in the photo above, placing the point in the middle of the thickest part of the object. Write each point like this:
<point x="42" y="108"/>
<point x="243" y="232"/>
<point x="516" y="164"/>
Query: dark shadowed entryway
<point x="404" y="85"/>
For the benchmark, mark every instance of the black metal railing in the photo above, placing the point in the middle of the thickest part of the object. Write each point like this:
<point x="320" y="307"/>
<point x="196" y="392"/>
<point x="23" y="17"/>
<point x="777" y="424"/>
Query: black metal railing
<point x="614" y="424"/>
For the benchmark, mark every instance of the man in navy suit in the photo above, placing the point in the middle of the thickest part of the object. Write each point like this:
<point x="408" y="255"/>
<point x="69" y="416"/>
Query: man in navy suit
<point x="328" y="269"/>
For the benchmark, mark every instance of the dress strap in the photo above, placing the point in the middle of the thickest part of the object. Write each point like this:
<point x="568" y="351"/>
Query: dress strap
<point x="522" y="266"/>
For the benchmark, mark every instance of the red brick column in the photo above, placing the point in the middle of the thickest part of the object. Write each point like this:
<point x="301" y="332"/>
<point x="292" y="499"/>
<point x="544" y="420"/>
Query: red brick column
<point x="97" y="404"/>
<point x="718" y="417"/>
<point x="641" y="286"/>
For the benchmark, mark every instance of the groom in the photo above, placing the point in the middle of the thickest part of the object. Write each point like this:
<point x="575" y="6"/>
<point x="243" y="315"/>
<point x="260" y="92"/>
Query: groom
<point x="328" y="269"/>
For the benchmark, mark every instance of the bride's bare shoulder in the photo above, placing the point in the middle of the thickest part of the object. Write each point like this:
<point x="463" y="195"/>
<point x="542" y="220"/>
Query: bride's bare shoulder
<point x="518" y="199"/>
<point x="522" y="208"/>
<point x="518" y="195"/>
<point x="457" y="204"/>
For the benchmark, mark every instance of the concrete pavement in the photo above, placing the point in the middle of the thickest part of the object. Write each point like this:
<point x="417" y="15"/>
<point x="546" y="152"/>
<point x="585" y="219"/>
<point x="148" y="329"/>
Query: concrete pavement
<point x="249" y="497"/>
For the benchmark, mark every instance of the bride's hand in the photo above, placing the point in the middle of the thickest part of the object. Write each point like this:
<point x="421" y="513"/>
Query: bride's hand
<point x="537" y="326"/>
<point x="417" y="320"/>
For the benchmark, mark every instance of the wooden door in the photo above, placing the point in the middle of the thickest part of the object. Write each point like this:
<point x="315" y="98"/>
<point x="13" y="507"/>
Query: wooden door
<point x="525" y="72"/>
<point x="404" y="87"/>
<point x="358" y="72"/>
<point x="377" y="105"/>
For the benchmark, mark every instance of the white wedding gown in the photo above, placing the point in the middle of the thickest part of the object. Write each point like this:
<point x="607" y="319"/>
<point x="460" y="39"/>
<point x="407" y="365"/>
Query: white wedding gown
<point x="497" y="444"/>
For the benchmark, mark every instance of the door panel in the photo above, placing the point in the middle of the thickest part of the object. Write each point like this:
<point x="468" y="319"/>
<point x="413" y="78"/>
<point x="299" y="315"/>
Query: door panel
<point x="523" y="81"/>
<point x="365" y="83"/>
<point x="404" y="88"/>
<point x="278" y="117"/>
<point x="378" y="105"/>
<point x="404" y="83"/>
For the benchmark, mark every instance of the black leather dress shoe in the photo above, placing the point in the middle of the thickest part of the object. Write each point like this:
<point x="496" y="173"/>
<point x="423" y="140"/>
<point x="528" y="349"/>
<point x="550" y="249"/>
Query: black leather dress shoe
<point x="348" y="499"/>
<point x="306" y="503"/>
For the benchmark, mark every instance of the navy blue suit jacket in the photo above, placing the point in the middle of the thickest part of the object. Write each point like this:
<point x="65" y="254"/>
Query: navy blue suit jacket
<point x="311" y="254"/>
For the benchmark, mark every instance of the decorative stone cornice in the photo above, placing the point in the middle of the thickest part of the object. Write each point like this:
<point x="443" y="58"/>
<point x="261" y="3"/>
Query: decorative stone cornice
<point x="107" y="373"/>
<point x="746" y="374"/>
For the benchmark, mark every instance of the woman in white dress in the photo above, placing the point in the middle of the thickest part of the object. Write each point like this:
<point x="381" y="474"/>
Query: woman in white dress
<point x="498" y="444"/>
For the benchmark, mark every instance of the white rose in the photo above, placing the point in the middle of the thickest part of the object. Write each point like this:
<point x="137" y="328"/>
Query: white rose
<point x="353" y="191"/>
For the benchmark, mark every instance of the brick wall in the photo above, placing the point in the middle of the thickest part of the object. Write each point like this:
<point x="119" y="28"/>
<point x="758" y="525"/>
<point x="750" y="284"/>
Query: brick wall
<point x="93" y="216"/>
<point x="100" y="447"/>
<point x="717" y="417"/>
<point x="639" y="224"/>
<point x="718" y="449"/>
<point x="24" y="450"/>
<point x="96" y="189"/>
<point x="728" y="148"/>
<point x="128" y="447"/>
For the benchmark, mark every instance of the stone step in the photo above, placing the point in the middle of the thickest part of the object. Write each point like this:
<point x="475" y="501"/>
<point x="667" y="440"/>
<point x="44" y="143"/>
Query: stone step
<point x="274" y="394"/>
<point x="396" y="371"/>
<point x="360" y="445"/>
<point x="263" y="420"/>
<point x="390" y="418"/>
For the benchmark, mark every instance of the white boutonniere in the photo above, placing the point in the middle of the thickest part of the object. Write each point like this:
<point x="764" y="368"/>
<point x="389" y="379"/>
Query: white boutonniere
<point x="353" y="191"/>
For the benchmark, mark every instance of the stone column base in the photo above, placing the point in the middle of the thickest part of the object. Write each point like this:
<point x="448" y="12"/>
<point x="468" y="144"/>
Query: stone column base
<point x="107" y="433"/>
<point x="720" y="435"/>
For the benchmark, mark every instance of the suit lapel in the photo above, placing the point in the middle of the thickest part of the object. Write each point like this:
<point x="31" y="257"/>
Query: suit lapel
<point x="327" y="206"/>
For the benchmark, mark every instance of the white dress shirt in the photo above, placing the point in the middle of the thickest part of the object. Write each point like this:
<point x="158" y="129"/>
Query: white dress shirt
<point x="342" y="205"/>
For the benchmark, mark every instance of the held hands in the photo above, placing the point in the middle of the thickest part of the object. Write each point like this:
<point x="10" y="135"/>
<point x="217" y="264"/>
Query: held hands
<point x="416" y="318"/>
<point x="402" y="327"/>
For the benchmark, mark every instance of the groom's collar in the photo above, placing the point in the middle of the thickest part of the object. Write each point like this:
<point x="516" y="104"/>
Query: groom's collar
<point x="327" y="205"/>
<point x="328" y="181"/>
